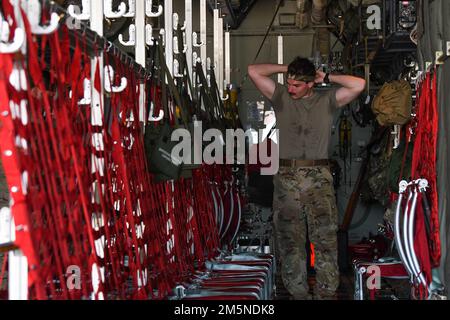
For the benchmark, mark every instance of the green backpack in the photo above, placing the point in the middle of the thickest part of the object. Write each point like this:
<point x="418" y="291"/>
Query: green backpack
<point x="392" y="105"/>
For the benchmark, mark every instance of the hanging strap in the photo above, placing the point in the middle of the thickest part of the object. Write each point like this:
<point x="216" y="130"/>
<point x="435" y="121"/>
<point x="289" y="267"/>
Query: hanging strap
<point x="280" y="2"/>
<point x="171" y="86"/>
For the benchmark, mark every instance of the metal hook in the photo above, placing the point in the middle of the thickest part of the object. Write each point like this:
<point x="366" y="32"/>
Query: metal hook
<point x="109" y="75"/>
<point x="149" y="9"/>
<point x="176" y="19"/>
<point x="413" y="76"/>
<point x="18" y="41"/>
<point x="34" y="11"/>
<point x="109" y="13"/>
<point x="195" y="42"/>
<point x="222" y="97"/>
<point x="423" y="185"/>
<point x="131" y="9"/>
<point x="109" y="47"/>
<point x="409" y="65"/>
<point x="84" y="14"/>
<point x="151" y="117"/>
<point x="176" y="69"/>
<point x="132" y="37"/>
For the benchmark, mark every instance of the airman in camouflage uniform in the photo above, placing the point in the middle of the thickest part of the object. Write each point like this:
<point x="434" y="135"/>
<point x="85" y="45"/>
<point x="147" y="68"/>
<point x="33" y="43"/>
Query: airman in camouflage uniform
<point x="305" y="195"/>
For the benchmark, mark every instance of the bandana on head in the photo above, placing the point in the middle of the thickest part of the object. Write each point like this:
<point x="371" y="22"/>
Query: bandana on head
<point x="300" y="77"/>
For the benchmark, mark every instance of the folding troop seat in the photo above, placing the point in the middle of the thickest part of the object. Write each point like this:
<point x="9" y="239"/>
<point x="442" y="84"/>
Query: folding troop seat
<point x="235" y="277"/>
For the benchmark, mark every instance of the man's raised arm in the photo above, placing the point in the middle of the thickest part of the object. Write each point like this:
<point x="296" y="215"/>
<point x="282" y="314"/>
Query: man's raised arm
<point x="351" y="87"/>
<point x="260" y="75"/>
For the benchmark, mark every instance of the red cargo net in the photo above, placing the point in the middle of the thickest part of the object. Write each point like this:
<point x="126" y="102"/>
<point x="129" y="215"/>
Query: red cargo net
<point x="83" y="198"/>
<point x="424" y="156"/>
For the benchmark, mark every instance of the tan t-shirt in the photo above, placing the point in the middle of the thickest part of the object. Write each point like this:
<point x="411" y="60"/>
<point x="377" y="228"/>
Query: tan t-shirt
<point x="304" y="124"/>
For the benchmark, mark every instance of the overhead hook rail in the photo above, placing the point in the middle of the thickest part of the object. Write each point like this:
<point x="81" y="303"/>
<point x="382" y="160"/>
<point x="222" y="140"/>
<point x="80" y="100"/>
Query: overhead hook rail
<point x="149" y="9"/>
<point x="91" y="37"/>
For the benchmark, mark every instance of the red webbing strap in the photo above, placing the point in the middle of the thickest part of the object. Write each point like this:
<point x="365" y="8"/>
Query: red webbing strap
<point x="126" y="249"/>
<point x="8" y="15"/>
<point x="153" y="203"/>
<point x="193" y="245"/>
<point x="156" y="236"/>
<point x="43" y="203"/>
<point x="194" y="224"/>
<point x="60" y="77"/>
<point x="59" y="81"/>
<point x="176" y="244"/>
<point x="167" y="258"/>
<point x="54" y="135"/>
<point x="181" y="225"/>
<point x="129" y="132"/>
<point x="151" y="200"/>
<point x="126" y="201"/>
<point x="204" y="205"/>
<point x="110" y="237"/>
<point x="424" y="156"/>
<point x="435" y="249"/>
<point x="161" y="218"/>
<point x="12" y="159"/>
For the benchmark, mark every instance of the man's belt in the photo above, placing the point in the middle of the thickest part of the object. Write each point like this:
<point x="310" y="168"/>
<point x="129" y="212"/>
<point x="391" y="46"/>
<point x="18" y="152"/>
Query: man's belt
<point x="303" y="163"/>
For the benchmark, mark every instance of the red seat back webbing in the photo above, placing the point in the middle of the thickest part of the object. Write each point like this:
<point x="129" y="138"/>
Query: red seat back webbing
<point x="424" y="156"/>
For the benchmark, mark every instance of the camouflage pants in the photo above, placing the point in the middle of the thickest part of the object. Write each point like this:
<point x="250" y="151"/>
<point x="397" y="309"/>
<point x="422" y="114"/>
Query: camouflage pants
<point x="306" y="195"/>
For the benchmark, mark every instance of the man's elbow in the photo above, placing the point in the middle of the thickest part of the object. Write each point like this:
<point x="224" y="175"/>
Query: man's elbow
<point x="361" y="85"/>
<point x="251" y="70"/>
